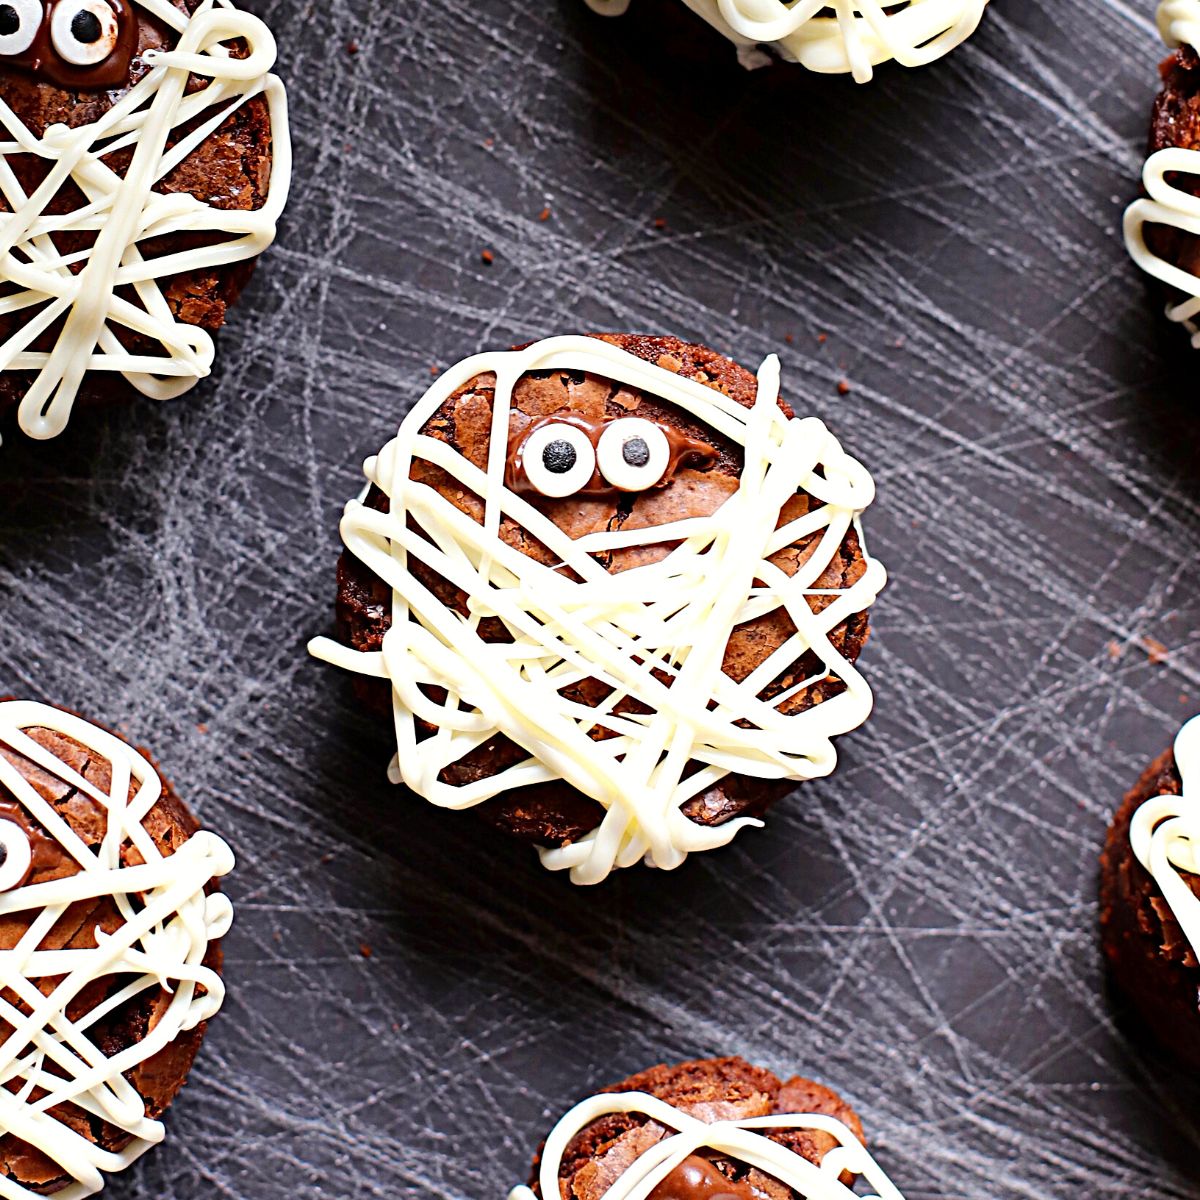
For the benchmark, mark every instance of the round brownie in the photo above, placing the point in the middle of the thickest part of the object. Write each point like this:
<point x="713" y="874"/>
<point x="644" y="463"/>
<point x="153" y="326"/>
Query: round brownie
<point x="229" y="170"/>
<point x="1148" y="955"/>
<point x="157" y="1078"/>
<point x="714" y="1089"/>
<point x="554" y="813"/>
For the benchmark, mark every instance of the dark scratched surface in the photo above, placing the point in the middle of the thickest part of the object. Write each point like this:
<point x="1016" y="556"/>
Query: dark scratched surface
<point x="413" y="1001"/>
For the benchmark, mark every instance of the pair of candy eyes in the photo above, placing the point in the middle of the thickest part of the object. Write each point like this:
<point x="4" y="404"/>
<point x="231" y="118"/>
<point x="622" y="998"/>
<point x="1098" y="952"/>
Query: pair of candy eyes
<point x="84" y="32"/>
<point x="560" y="460"/>
<point x="17" y="854"/>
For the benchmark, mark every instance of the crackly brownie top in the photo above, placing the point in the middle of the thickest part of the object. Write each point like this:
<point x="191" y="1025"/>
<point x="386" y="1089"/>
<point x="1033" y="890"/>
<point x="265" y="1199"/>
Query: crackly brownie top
<point x="636" y="568"/>
<point x="95" y="849"/>
<point x="607" y="1144"/>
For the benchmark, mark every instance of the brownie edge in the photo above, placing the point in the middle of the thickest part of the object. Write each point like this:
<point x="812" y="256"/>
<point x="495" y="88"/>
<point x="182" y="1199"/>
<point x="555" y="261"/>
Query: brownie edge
<point x="1148" y="957"/>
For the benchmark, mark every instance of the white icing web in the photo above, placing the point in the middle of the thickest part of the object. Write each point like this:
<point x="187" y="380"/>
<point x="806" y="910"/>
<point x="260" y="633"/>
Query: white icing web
<point x="738" y="1140"/>
<point x="655" y="634"/>
<point x="859" y="35"/>
<point x="1165" y="834"/>
<point x="168" y="923"/>
<point x="1165" y="203"/>
<point x="124" y="210"/>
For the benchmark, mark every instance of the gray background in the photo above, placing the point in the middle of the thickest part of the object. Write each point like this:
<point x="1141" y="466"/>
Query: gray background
<point x="918" y="930"/>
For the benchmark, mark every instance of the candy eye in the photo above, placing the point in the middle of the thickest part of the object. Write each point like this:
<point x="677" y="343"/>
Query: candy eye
<point x="84" y="32"/>
<point x="558" y="459"/>
<point x="19" y="22"/>
<point x="16" y="852"/>
<point x="633" y="454"/>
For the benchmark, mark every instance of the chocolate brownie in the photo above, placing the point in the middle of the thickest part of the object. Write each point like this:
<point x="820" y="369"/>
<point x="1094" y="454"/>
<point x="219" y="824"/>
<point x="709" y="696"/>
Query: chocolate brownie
<point x="554" y="813"/>
<point x="229" y="170"/>
<point x="1149" y="958"/>
<point x="1176" y="122"/>
<point x="714" y="1089"/>
<point x="158" y="1078"/>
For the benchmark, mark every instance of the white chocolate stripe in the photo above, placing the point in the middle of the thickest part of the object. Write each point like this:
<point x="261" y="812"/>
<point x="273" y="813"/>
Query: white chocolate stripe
<point x="1165" y="834"/>
<point x="737" y="1140"/>
<point x="655" y="633"/>
<point x="125" y="211"/>
<point x="858" y="37"/>
<point x="168" y="924"/>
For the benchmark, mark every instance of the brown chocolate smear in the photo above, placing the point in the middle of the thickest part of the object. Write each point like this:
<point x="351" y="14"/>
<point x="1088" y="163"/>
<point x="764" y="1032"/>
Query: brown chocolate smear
<point x="45" y="63"/>
<point x="47" y="854"/>
<point x="697" y="1179"/>
<point x="685" y="451"/>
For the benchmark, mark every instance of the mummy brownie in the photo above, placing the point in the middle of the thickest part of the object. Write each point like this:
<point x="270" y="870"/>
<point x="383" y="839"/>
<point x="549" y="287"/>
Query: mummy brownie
<point x="839" y="37"/>
<point x="144" y="161"/>
<point x="109" y="955"/>
<point x="612" y="592"/>
<point x="1150" y="896"/>
<point x="1162" y="228"/>
<point x="716" y="1129"/>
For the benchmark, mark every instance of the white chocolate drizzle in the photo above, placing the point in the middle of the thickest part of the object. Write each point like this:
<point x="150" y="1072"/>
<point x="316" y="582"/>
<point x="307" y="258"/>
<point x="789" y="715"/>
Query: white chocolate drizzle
<point x="1165" y="834"/>
<point x="124" y="210"/>
<point x="744" y="1141"/>
<point x="859" y="35"/>
<point x="1165" y="203"/>
<point x="168" y="924"/>
<point x="655" y="633"/>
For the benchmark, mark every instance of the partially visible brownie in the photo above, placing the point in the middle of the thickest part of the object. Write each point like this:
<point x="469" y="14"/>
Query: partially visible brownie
<point x="1150" y="959"/>
<point x="714" y="1089"/>
<point x="1176" y="122"/>
<point x="159" y="1078"/>
<point x="229" y="170"/>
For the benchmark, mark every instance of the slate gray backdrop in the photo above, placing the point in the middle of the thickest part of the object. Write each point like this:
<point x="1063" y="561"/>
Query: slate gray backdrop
<point x="918" y="930"/>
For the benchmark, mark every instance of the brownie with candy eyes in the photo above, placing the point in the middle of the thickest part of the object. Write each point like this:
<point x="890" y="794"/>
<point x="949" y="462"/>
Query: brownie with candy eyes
<point x="612" y="592"/>
<point x="136" y="210"/>
<point x="712" y="1129"/>
<point x="108" y="890"/>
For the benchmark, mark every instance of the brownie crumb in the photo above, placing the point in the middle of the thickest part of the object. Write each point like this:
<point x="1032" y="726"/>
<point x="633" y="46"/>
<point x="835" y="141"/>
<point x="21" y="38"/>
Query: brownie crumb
<point x="1155" y="650"/>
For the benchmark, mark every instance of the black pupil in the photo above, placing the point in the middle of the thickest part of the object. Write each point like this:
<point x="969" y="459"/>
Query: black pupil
<point x="3" y="847"/>
<point x="85" y="27"/>
<point x="558" y="457"/>
<point x="635" y="452"/>
<point x="10" y="20"/>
